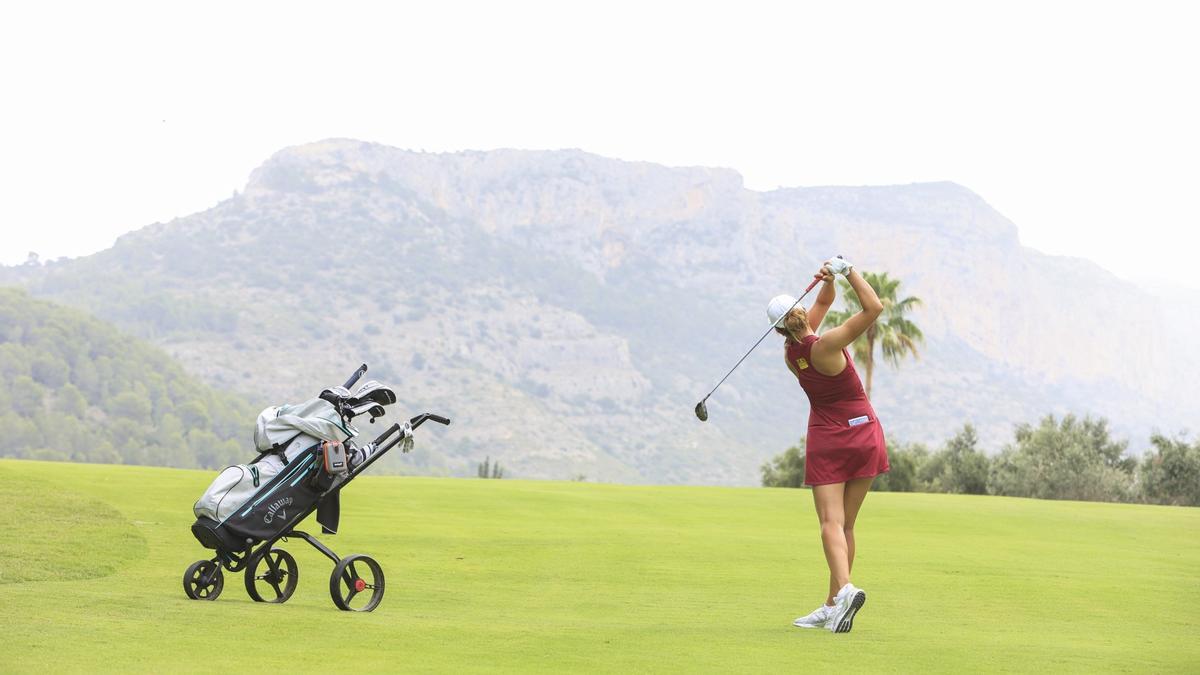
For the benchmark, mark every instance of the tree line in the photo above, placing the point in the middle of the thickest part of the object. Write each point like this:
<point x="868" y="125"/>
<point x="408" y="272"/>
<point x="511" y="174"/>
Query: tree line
<point x="1068" y="458"/>
<point x="73" y="388"/>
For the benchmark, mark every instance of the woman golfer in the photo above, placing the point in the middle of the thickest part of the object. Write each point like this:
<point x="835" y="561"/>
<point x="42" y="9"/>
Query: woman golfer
<point x="845" y="448"/>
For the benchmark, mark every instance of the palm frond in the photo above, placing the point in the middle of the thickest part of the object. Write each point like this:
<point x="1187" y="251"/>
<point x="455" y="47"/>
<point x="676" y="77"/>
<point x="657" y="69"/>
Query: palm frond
<point x="896" y="335"/>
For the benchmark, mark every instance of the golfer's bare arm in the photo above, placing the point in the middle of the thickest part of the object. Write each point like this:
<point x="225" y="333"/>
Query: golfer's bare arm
<point x="827" y="352"/>
<point x="816" y="313"/>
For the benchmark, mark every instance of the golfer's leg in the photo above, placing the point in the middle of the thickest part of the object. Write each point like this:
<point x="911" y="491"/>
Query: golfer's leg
<point x="828" y="500"/>
<point x="852" y="499"/>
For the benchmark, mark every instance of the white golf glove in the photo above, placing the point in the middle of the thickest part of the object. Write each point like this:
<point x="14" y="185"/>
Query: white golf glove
<point x="840" y="265"/>
<point x="406" y="437"/>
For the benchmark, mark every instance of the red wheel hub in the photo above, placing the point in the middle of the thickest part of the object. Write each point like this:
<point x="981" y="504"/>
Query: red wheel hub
<point x="359" y="584"/>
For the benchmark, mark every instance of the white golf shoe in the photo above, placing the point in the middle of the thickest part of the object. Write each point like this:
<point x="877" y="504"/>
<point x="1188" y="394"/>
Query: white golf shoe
<point x="846" y="604"/>
<point x="817" y="619"/>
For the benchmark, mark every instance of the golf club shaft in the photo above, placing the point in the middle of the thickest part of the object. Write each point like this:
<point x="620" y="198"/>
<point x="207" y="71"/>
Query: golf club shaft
<point x="764" y="337"/>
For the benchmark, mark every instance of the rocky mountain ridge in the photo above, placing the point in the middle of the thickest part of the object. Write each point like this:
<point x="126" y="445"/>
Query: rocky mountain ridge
<point x="570" y="308"/>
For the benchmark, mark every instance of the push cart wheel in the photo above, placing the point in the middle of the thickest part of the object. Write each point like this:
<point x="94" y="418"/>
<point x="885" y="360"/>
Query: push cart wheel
<point x="356" y="584"/>
<point x="203" y="580"/>
<point x="272" y="577"/>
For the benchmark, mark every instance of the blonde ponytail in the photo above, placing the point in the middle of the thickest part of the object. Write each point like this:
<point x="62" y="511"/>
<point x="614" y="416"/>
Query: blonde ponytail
<point x="795" y="324"/>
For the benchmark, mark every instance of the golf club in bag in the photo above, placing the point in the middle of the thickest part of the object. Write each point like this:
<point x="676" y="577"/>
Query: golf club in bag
<point x="701" y="408"/>
<point x="321" y="459"/>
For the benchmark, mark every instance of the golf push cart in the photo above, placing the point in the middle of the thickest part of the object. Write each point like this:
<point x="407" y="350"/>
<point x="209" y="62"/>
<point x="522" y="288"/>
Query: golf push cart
<point x="307" y="456"/>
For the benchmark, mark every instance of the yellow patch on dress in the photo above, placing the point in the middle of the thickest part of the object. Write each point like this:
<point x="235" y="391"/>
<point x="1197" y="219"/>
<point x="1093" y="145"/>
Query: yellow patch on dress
<point x="801" y="363"/>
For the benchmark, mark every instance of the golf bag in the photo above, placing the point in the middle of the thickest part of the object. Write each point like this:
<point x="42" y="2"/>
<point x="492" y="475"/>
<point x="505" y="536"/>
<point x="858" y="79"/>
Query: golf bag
<point x="307" y="454"/>
<point x="289" y="472"/>
<point x="281" y="435"/>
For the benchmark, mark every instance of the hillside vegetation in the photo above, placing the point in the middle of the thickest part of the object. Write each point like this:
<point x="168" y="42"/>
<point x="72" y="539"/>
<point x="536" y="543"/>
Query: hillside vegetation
<point x="569" y="310"/>
<point x="75" y="388"/>
<point x="523" y="576"/>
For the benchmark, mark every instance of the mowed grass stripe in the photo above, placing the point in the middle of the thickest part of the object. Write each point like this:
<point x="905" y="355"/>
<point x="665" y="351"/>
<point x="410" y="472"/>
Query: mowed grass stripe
<point x="519" y="576"/>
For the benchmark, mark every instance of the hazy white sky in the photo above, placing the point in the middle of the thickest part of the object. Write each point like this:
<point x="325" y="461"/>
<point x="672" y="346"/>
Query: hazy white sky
<point x="1076" y="120"/>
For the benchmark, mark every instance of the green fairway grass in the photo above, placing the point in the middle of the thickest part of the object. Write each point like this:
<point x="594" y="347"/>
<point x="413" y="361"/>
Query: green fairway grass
<point x="522" y="576"/>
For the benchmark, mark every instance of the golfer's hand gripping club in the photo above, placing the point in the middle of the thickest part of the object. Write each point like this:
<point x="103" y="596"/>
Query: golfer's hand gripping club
<point x="840" y="265"/>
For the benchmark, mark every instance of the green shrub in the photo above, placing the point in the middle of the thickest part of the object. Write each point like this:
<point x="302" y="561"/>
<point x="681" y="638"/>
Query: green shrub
<point x="958" y="467"/>
<point x="904" y="475"/>
<point x="786" y="469"/>
<point x="1171" y="474"/>
<point x="1071" y="459"/>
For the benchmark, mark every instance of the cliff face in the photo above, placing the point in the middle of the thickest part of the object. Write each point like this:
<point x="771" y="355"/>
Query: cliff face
<point x="570" y="310"/>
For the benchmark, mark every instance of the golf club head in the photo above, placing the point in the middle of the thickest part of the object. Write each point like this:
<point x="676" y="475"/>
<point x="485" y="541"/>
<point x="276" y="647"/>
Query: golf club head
<point x="702" y="411"/>
<point x="335" y="394"/>
<point x="373" y="391"/>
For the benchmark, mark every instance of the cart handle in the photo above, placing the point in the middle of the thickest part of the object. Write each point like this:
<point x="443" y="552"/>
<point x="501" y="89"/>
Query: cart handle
<point x="380" y="449"/>
<point x="412" y="424"/>
<point x="383" y="444"/>
<point x="419" y="419"/>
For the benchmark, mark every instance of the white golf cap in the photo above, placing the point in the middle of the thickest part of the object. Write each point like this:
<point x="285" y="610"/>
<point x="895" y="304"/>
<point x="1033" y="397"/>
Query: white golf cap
<point x="779" y="306"/>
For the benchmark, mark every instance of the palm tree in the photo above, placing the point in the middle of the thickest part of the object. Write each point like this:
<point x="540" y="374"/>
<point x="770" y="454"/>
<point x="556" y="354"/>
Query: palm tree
<point x="892" y="331"/>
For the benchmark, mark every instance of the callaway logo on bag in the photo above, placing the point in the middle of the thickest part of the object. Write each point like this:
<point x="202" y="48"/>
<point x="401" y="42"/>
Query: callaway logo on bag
<point x="276" y="508"/>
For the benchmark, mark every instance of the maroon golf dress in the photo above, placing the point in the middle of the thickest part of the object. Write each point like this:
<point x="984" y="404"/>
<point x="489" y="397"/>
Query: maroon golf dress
<point x="845" y="439"/>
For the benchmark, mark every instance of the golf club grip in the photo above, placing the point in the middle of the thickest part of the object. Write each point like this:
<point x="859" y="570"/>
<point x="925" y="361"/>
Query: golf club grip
<point x="362" y="370"/>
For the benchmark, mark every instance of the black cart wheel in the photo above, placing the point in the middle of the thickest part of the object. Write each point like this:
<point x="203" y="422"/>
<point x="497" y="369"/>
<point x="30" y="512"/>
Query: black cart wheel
<point x="356" y="584"/>
<point x="272" y="577"/>
<point x="203" y="580"/>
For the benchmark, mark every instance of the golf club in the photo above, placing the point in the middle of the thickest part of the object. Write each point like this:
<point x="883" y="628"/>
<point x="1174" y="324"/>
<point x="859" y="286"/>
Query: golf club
<point x="701" y="408"/>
